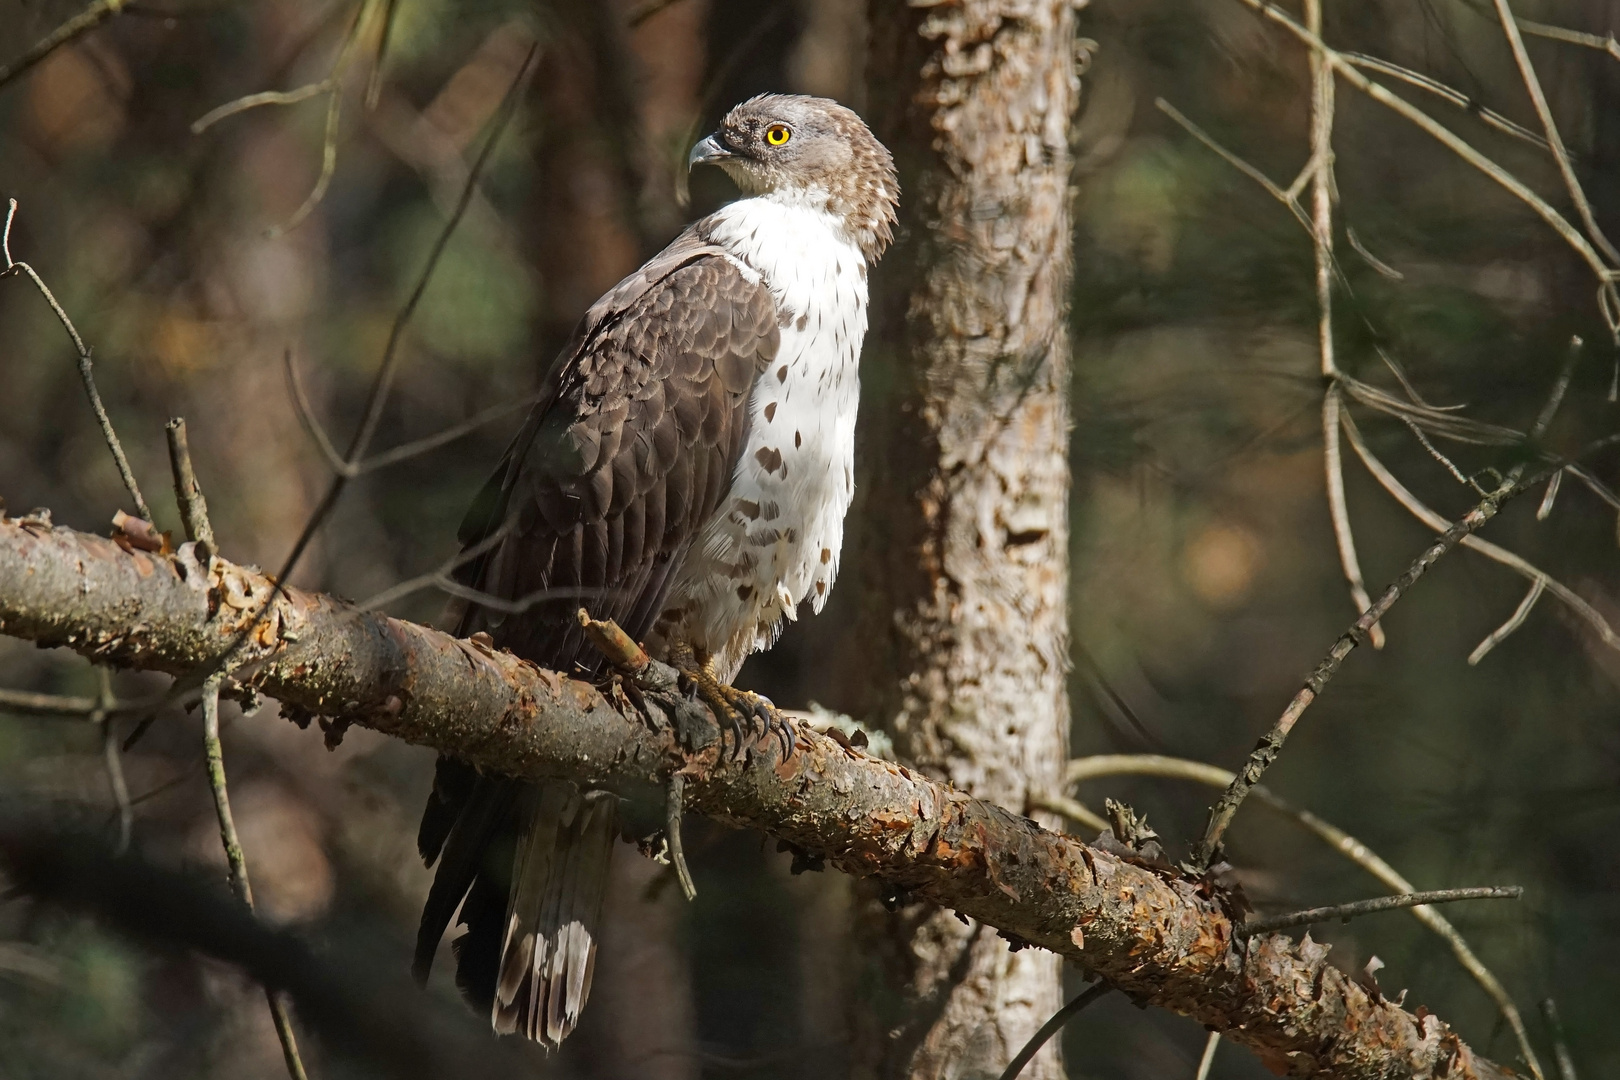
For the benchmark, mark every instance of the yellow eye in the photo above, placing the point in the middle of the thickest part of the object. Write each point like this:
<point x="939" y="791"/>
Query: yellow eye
<point x="778" y="134"/>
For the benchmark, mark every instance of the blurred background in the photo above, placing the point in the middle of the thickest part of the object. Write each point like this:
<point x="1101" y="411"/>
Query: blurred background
<point x="1205" y="576"/>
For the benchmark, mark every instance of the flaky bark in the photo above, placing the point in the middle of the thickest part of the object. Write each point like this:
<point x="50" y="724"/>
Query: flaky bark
<point x="971" y="460"/>
<point x="1163" y="940"/>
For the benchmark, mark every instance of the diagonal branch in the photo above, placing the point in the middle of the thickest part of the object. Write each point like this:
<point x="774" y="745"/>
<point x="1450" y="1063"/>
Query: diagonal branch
<point x="79" y="25"/>
<point x="1271" y="744"/>
<point x="1159" y="938"/>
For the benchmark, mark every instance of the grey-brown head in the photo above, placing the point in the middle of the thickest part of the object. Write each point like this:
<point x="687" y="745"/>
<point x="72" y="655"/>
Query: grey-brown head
<point x="810" y="150"/>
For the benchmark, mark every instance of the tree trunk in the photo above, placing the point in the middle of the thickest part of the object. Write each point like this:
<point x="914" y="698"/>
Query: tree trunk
<point x="965" y="548"/>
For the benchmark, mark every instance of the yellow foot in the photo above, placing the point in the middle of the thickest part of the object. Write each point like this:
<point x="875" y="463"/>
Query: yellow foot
<point x="738" y="710"/>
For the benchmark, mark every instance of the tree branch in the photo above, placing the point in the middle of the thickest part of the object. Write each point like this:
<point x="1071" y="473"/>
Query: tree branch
<point x="1160" y="938"/>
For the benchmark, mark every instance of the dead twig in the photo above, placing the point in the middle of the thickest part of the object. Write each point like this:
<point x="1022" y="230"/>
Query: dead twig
<point x="399" y="454"/>
<point x="1448" y="94"/>
<point x="1320" y="167"/>
<point x="1418" y="509"/>
<point x="1051" y="1028"/>
<point x="1566" y="1063"/>
<point x="1088" y="768"/>
<point x="1271" y="743"/>
<point x="194" y="514"/>
<point x="1608" y="295"/>
<point x="1606" y="44"/>
<point x="674" y="804"/>
<point x="187" y="492"/>
<point x="1532" y="84"/>
<point x="31" y="704"/>
<point x="381" y="383"/>
<point x="332" y="88"/>
<point x="111" y="760"/>
<point x="79" y="25"/>
<point x="86" y="374"/>
<point x="1206" y="1062"/>
<point x="1346" y="912"/>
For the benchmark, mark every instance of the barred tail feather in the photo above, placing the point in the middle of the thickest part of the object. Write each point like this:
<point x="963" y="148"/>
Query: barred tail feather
<point x="559" y="877"/>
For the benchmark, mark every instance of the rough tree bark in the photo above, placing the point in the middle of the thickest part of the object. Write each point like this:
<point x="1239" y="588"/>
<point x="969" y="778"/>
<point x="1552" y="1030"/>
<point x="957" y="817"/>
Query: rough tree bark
<point x="966" y="565"/>
<point x="1160" y="938"/>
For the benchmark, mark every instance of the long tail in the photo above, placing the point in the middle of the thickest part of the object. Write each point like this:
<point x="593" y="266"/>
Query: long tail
<point x="559" y="876"/>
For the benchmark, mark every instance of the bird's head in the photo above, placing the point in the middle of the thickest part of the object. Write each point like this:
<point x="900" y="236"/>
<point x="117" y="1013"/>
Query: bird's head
<point x="809" y="151"/>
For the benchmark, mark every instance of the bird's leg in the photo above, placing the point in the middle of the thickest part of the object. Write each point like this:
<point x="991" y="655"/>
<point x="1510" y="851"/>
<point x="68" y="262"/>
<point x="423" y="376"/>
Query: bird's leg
<point x="736" y="709"/>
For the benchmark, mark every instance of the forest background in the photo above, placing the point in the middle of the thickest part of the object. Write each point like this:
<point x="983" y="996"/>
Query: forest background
<point x="1204" y="575"/>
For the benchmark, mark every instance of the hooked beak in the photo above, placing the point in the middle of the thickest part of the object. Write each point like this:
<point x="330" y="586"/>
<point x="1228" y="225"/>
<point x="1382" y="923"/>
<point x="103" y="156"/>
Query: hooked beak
<point x="707" y="152"/>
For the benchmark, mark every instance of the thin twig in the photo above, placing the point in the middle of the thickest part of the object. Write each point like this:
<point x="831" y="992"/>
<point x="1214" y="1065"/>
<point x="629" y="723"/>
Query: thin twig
<point x="381" y="383"/>
<point x="332" y="87"/>
<point x="1271" y="743"/>
<point x="1609" y="296"/>
<point x="1566" y="1063"/>
<point x="194" y="514"/>
<point x="1388" y="481"/>
<point x="405" y="451"/>
<point x="86" y="374"/>
<point x="81" y="24"/>
<point x="1052" y="1027"/>
<point x="323" y="179"/>
<point x="1544" y="511"/>
<point x="187" y="492"/>
<point x="111" y="760"/>
<point x="384" y="34"/>
<point x="236" y="862"/>
<point x="1573" y="37"/>
<point x="1447" y="93"/>
<point x="1272" y="189"/>
<point x="1088" y="768"/>
<point x="1321" y="180"/>
<point x="1206" y="1062"/>
<point x="254" y="101"/>
<point x="674" y="802"/>
<point x="1346" y="912"/>
<point x="30" y="704"/>
<point x="1514" y="621"/>
<point x="1532" y="84"/>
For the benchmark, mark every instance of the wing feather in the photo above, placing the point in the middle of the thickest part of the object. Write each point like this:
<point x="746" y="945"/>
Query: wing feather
<point x="628" y="453"/>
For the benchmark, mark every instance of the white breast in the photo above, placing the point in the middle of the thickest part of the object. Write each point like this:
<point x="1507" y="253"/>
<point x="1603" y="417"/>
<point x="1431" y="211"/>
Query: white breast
<point x="774" y="542"/>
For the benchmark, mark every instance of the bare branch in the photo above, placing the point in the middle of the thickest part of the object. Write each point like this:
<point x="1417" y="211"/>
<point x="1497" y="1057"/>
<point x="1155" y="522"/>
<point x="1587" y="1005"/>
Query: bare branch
<point x="79" y="25"/>
<point x="1566" y="1064"/>
<point x="377" y="396"/>
<point x="86" y="374"/>
<point x="29" y="704"/>
<point x="194" y="513"/>
<point x="1087" y="768"/>
<point x="1207" y="1062"/>
<point x="111" y="760"/>
<point x="1516" y="620"/>
<point x="1346" y="912"/>
<point x="1419" y="510"/>
<point x="1158" y="939"/>
<point x="1448" y="94"/>
<point x="1609" y="297"/>
<point x="1271" y="743"/>
<point x="187" y="492"/>
<point x="1573" y="37"/>
<point x="1056" y="1024"/>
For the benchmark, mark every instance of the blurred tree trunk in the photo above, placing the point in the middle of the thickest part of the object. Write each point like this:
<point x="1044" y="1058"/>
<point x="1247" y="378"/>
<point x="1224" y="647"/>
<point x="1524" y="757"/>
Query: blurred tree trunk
<point x="965" y="642"/>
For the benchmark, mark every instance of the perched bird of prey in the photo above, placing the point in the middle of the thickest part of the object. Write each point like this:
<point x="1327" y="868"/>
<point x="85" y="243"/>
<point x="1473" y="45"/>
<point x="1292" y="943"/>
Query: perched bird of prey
<point x="685" y="473"/>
